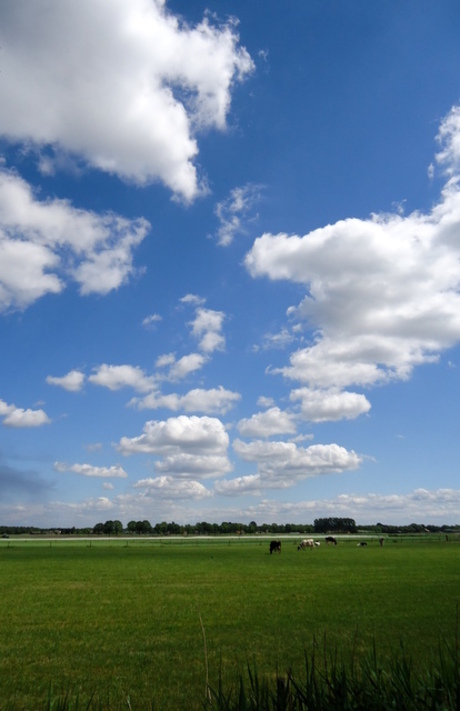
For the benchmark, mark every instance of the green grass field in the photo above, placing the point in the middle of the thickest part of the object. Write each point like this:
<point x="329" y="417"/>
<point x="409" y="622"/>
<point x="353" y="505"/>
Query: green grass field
<point x="118" y="620"/>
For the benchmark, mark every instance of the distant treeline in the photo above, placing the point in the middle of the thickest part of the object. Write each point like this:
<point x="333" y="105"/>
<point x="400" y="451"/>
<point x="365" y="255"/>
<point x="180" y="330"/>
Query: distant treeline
<point x="203" y="528"/>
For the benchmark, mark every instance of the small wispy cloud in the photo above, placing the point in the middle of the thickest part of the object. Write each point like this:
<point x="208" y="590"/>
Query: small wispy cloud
<point x="90" y="470"/>
<point x="151" y="320"/>
<point x="193" y="299"/>
<point x="234" y="212"/>
<point x="94" y="447"/>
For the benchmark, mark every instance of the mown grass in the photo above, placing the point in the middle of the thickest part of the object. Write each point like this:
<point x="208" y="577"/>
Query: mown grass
<point x="116" y="621"/>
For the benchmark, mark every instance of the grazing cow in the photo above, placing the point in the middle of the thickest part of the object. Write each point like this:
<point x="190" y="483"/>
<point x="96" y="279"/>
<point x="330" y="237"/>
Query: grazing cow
<point x="306" y="543"/>
<point x="317" y="544"/>
<point x="275" y="547"/>
<point x="362" y="544"/>
<point x="381" y="541"/>
<point x="331" y="539"/>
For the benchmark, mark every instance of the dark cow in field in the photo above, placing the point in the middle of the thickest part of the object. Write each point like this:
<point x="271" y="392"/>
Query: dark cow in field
<point x="362" y="544"/>
<point x="275" y="547"/>
<point x="331" y="539"/>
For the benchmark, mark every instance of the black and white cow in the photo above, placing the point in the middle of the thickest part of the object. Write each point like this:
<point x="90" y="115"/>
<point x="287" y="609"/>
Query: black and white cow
<point x="331" y="539"/>
<point x="275" y="547"/>
<point x="306" y="543"/>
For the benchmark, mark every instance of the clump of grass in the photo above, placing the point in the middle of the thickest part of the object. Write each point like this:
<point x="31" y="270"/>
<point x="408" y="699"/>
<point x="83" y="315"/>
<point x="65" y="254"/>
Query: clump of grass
<point x="359" y="685"/>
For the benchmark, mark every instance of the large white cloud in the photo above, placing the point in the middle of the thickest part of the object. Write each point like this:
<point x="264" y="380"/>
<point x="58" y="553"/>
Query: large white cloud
<point x="193" y="447"/>
<point x="383" y="294"/>
<point x="46" y="243"/>
<point x="282" y="464"/>
<point x="190" y="434"/>
<point x="123" y="85"/>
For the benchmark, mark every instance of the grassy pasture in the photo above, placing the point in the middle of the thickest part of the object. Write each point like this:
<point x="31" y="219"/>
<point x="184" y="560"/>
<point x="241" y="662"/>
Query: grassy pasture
<point x="118" y="619"/>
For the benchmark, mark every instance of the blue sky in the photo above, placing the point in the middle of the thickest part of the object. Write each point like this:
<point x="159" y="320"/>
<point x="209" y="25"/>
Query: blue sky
<point x="229" y="261"/>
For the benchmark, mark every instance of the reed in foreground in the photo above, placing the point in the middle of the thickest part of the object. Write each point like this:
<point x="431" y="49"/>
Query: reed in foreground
<point x="360" y="685"/>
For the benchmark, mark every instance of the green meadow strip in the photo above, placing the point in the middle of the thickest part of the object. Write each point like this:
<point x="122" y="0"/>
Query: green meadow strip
<point x="116" y="624"/>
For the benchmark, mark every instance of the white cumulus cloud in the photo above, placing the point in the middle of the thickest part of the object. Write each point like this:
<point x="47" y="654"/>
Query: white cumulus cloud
<point x="193" y="447"/>
<point x="207" y="326"/>
<point x="282" y="464"/>
<point x="72" y="381"/>
<point x="115" y="377"/>
<point x="382" y="294"/>
<point x="18" y="417"/>
<point x="44" y="244"/>
<point x="167" y="487"/>
<point x="265" y="424"/>
<point x="124" y="86"/>
<point x="329" y="405"/>
<point x="189" y="363"/>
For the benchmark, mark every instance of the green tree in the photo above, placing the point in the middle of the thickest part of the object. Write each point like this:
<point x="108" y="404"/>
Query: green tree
<point x="174" y="528"/>
<point x="161" y="529"/>
<point x="204" y="527"/>
<point x="143" y="526"/>
<point x="117" y="527"/>
<point x="113" y="527"/>
<point x="132" y="526"/>
<point x="108" y="527"/>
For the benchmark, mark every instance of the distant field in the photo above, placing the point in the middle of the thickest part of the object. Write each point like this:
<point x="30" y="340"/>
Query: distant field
<point x="119" y="618"/>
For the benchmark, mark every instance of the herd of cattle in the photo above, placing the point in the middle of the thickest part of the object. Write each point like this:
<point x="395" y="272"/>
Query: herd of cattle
<point x="275" y="546"/>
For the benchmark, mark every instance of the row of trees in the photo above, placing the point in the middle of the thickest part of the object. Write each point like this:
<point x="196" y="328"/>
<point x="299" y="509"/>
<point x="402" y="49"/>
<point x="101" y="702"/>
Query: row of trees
<point x="204" y="528"/>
